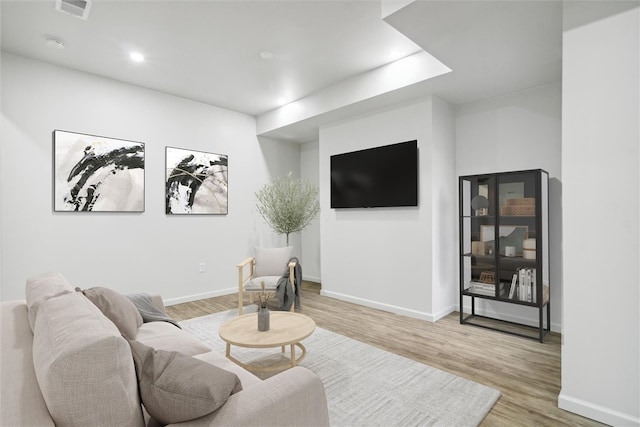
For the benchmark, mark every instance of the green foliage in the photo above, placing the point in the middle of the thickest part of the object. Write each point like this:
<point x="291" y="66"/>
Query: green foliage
<point x="288" y="204"/>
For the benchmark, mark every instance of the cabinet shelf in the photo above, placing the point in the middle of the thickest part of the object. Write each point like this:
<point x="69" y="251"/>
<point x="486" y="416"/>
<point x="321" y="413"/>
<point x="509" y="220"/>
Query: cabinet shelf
<point x="505" y="258"/>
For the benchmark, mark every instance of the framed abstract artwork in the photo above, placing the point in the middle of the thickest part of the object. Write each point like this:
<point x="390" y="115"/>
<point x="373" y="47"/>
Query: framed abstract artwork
<point x="97" y="173"/>
<point x="196" y="182"/>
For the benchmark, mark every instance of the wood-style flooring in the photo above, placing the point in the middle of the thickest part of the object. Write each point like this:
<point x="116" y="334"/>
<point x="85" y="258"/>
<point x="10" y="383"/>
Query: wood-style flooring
<point x="525" y="371"/>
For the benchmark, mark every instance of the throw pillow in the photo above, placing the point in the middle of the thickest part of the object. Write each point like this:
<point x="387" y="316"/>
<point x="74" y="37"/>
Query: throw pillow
<point x="117" y="308"/>
<point x="272" y="261"/>
<point x="175" y="387"/>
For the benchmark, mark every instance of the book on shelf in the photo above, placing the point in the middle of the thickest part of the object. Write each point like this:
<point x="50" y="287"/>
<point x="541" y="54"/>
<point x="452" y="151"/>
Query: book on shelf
<point x="514" y="284"/>
<point x="483" y="288"/>
<point x="532" y="285"/>
<point x="526" y="285"/>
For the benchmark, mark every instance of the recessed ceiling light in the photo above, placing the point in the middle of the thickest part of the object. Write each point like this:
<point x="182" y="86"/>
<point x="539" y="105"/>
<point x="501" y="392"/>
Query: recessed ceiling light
<point x="136" y="57"/>
<point x="265" y="54"/>
<point x="54" y="43"/>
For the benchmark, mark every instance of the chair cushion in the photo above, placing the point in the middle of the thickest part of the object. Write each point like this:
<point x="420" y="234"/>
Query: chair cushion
<point x="272" y="261"/>
<point x="175" y="387"/>
<point x="41" y="288"/>
<point x="84" y="366"/>
<point x="255" y="284"/>
<point x="118" y="308"/>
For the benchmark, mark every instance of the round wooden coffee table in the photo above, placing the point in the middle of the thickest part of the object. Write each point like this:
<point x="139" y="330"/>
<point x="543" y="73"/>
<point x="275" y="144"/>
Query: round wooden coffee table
<point x="286" y="329"/>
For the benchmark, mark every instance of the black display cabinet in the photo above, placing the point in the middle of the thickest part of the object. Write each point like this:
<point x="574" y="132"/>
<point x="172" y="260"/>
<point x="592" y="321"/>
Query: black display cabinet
<point x="504" y="247"/>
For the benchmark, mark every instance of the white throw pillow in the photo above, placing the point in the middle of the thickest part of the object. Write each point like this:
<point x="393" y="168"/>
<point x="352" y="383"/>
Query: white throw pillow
<point x="272" y="261"/>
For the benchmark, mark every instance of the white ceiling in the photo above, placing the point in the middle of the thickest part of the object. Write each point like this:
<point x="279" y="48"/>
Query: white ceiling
<point x="493" y="47"/>
<point x="209" y="51"/>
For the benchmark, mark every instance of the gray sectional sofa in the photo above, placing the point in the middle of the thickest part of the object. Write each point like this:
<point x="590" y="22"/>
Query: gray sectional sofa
<point x="63" y="362"/>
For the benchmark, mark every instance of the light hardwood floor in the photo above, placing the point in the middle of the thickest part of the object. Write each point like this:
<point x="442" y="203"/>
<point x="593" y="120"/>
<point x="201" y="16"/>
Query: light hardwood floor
<point x="525" y="371"/>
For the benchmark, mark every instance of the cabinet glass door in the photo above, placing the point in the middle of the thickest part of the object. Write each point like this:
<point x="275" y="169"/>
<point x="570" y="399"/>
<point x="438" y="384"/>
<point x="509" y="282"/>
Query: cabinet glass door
<point x="478" y="262"/>
<point x="517" y="231"/>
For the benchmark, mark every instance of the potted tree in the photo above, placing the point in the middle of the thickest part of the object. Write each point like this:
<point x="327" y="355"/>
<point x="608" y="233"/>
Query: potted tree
<point x="288" y="204"/>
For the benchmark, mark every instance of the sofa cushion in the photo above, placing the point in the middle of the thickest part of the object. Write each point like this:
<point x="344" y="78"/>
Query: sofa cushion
<point x="175" y="387"/>
<point x="165" y="336"/>
<point x="118" y="308"/>
<point x="21" y="402"/>
<point x="41" y="288"/>
<point x="247" y="378"/>
<point x="272" y="261"/>
<point x="84" y="366"/>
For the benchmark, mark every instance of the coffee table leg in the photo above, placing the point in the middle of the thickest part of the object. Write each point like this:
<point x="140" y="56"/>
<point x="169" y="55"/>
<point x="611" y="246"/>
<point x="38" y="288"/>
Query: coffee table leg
<point x="228" y="350"/>
<point x="293" y="355"/>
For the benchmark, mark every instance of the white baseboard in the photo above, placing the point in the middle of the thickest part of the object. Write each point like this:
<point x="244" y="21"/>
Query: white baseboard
<point x="596" y="412"/>
<point x="388" y="307"/>
<point x="442" y="313"/>
<point x="555" y="327"/>
<point x="311" y="278"/>
<point x="195" y="297"/>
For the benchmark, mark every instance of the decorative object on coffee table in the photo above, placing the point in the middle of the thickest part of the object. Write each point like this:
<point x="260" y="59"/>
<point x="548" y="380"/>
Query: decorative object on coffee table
<point x="263" y="311"/>
<point x="263" y="319"/>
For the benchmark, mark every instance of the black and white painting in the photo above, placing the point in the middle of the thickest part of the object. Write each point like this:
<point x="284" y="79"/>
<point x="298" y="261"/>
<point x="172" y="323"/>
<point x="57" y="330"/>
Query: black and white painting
<point x="196" y="182"/>
<point x="97" y="174"/>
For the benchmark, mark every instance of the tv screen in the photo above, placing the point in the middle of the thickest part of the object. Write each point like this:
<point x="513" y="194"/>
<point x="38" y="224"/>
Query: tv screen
<point x="376" y="177"/>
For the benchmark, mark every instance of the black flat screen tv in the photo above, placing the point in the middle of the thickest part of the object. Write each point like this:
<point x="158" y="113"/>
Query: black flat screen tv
<point x="384" y="176"/>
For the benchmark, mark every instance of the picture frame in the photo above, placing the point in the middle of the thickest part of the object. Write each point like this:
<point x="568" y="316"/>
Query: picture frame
<point x="509" y="235"/>
<point x="97" y="173"/>
<point x="196" y="182"/>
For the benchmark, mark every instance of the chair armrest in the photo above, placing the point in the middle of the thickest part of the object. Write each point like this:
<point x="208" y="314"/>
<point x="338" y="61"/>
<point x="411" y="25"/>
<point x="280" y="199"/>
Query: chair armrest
<point x="294" y="397"/>
<point x="157" y="301"/>
<point x="245" y="262"/>
<point x="244" y="275"/>
<point x="292" y="281"/>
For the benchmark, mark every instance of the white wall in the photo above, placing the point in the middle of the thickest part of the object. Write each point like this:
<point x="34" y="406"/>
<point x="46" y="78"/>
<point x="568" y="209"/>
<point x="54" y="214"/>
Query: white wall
<point x="147" y="252"/>
<point x="383" y="257"/>
<point x="444" y="198"/>
<point x="310" y="236"/>
<point x="601" y="212"/>
<point x="517" y="132"/>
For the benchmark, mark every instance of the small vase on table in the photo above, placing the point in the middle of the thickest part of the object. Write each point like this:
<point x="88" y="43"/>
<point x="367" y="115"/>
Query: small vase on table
<point x="263" y="319"/>
<point x="263" y="311"/>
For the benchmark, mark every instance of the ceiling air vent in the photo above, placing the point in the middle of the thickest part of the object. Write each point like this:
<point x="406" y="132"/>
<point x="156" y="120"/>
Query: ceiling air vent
<point x="78" y="8"/>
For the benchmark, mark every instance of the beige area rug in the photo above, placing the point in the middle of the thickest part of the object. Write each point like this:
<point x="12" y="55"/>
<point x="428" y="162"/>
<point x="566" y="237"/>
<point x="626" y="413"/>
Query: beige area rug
<point x="367" y="386"/>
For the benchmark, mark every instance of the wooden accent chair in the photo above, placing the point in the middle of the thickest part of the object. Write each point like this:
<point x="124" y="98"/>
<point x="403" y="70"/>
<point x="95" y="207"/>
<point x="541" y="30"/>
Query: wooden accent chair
<point x="268" y="266"/>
